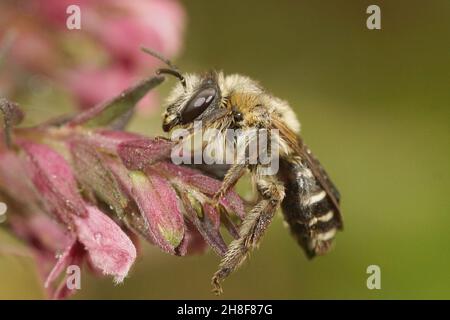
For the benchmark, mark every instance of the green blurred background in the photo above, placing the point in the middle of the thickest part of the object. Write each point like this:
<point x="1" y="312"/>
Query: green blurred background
<point x="375" y="109"/>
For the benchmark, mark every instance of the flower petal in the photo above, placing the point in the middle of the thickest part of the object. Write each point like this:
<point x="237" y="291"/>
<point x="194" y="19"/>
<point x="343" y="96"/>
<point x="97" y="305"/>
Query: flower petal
<point x="46" y="239"/>
<point x="108" y="140"/>
<point x="108" y="247"/>
<point x="65" y="259"/>
<point x="136" y="218"/>
<point x="74" y="255"/>
<point x="195" y="244"/>
<point x="92" y="173"/>
<point x="203" y="224"/>
<point x="159" y="204"/>
<point x="14" y="179"/>
<point x="53" y="179"/>
<point x="205" y="184"/>
<point x="137" y="154"/>
<point x="133" y="219"/>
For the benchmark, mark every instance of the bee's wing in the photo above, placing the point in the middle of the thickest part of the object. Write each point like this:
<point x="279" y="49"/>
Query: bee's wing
<point x="323" y="178"/>
<point x="313" y="225"/>
<point x="296" y="144"/>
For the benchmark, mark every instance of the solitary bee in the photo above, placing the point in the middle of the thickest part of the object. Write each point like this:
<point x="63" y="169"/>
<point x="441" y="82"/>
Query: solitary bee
<point x="308" y="198"/>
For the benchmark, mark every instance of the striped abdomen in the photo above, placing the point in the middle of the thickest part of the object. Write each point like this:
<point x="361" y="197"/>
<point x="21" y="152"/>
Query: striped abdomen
<point x="308" y="209"/>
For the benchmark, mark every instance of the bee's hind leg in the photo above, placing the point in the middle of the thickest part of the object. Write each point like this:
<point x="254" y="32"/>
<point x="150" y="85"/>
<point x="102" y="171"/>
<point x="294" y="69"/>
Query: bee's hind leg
<point x="251" y="230"/>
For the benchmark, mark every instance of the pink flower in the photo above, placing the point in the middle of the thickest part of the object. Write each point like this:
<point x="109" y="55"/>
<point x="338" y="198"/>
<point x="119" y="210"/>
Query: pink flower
<point x="83" y="191"/>
<point x="106" y="246"/>
<point x="116" y="28"/>
<point x="91" y="85"/>
<point x="157" y="24"/>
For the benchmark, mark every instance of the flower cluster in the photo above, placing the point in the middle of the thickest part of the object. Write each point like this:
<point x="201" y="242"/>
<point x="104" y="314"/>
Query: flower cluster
<point x="111" y="29"/>
<point x="84" y="191"/>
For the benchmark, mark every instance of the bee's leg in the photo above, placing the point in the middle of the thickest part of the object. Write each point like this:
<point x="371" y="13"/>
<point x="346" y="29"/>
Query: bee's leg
<point x="252" y="228"/>
<point x="233" y="174"/>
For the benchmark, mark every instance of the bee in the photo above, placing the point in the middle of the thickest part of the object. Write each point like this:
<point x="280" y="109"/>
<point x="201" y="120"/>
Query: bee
<point x="308" y="198"/>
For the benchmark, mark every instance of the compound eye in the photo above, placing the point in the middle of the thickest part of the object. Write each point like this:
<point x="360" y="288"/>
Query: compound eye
<point x="197" y="105"/>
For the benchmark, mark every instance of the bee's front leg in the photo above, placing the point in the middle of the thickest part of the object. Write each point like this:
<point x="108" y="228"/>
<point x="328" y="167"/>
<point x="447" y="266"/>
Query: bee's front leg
<point x="233" y="174"/>
<point x="252" y="228"/>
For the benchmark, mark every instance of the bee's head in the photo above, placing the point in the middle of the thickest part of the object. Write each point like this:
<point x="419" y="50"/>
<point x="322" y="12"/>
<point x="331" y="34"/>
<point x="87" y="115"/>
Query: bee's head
<point x="192" y="99"/>
<point x="198" y="97"/>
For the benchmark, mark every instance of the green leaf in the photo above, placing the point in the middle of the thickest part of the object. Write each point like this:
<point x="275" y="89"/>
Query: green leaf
<point x="116" y="113"/>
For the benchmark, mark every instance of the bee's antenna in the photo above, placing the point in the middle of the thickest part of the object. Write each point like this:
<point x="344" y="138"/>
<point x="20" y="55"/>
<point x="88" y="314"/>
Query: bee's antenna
<point x="174" y="73"/>
<point x="173" y="70"/>
<point x="159" y="57"/>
